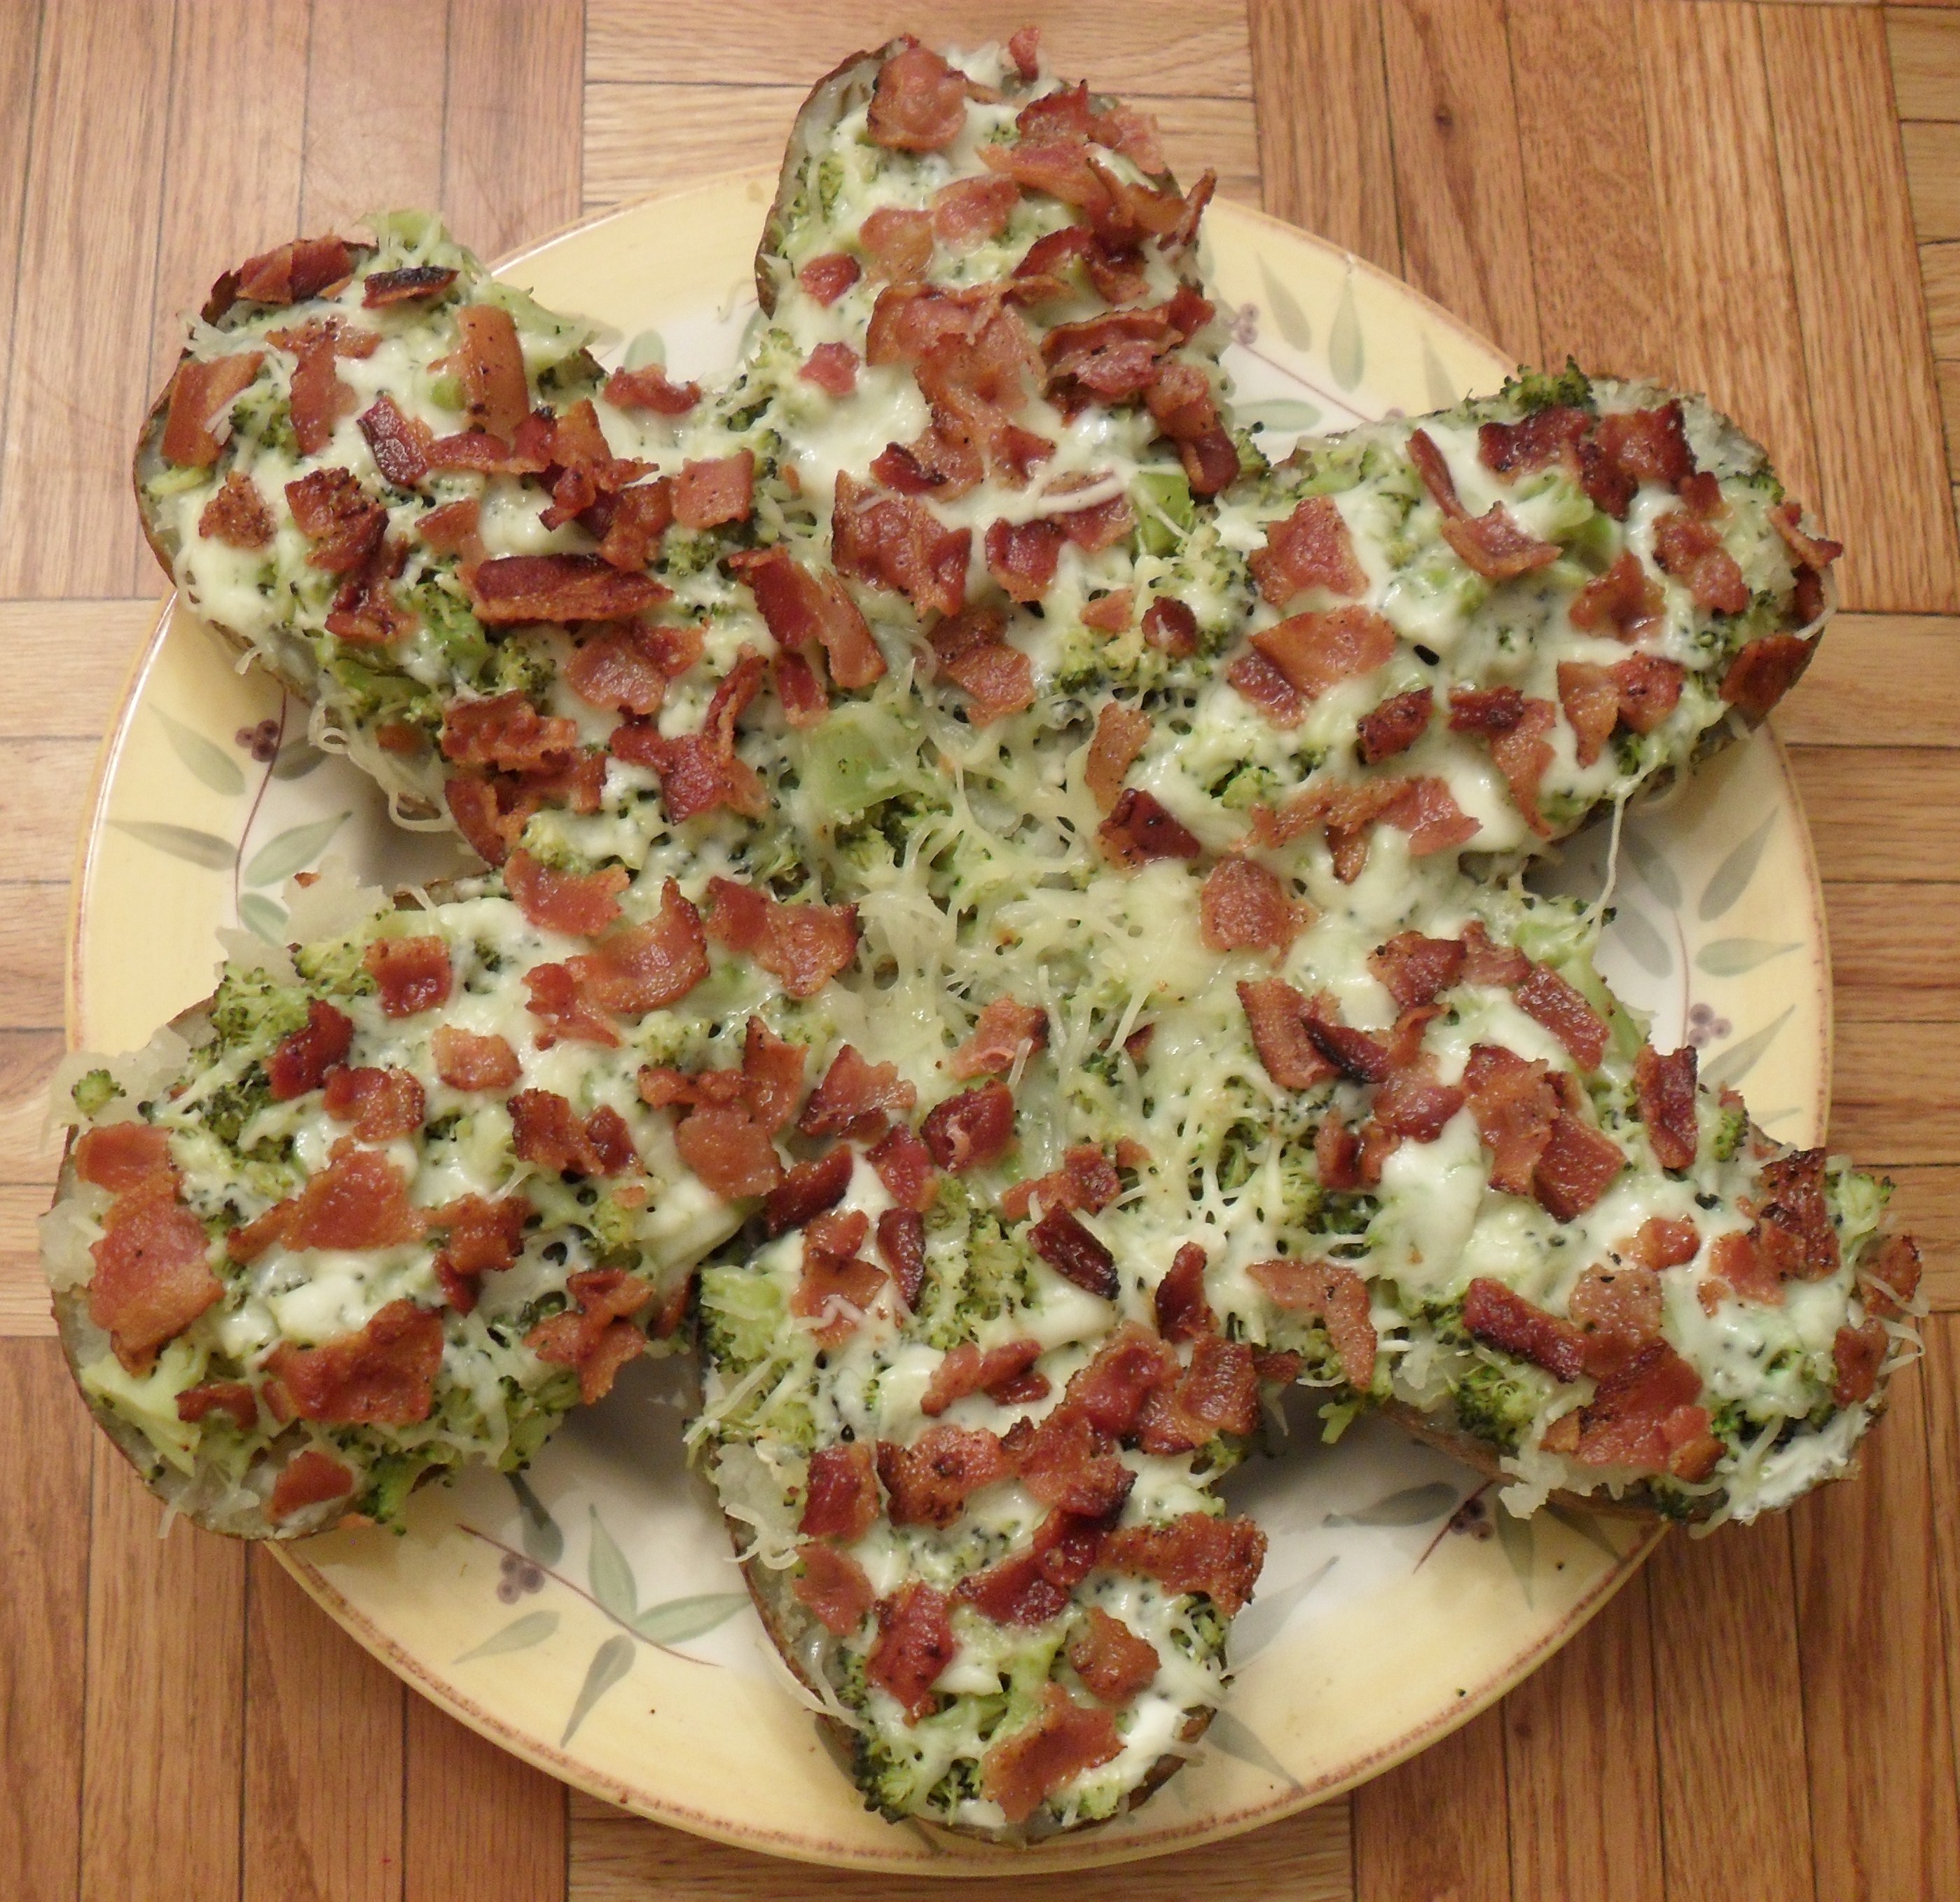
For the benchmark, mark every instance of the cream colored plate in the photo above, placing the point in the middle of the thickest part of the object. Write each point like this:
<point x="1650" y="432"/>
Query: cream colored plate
<point x="589" y="1616"/>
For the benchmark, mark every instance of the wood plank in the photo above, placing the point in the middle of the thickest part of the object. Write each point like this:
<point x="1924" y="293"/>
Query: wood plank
<point x="33" y="924"/>
<point x="647" y="139"/>
<point x="73" y="661"/>
<point x="1581" y="1768"/>
<point x="19" y="57"/>
<point x="1712" y="147"/>
<point x="1926" y="1204"/>
<point x="164" y="1731"/>
<point x="479" y="1824"/>
<point x="1735" y="1813"/>
<point x="1435" y="1826"/>
<point x="1880" y="814"/>
<point x="1459" y="183"/>
<point x="1332" y="170"/>
<point x="44" y="1558"/>
<point x="1575" y="67"/>
<point x="1940" y="272"/>
<point x="66" y="526"/>
<point x="1884" y="490"/>
<point x="50" y="781"/>
<point x="1876" y="1728"/>
<point x="1932" y="177"/>
<point x="1895" y="1093"/>
<point x="618" y="1858"/>
<point x="1878" y="679"/>
<point x="24" y="1312"/>
<point x="323" y="1796"/>
<point x="1949" y="413"/>
<point x="1925" y="49"/>
<point x="516" y="77"/>
<point x="1891" y="952"/>
<point x="374" y="135"/>
<point x="231" y="184"/>
<point x="28" y="1149"/>
<point x="1940" y="1373"/>
<point x="1126" y="46"/>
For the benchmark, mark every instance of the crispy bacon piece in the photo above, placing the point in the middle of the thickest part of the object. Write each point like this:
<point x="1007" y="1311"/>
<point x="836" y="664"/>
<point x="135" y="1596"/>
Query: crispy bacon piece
<point x="841" y="1494"/>
<point x="1332" y="1293"/>
<point x="233" y="1398"/>
<point x="1647" y="445"/>
<point x="1074" y="1253"/>
<point x="803" y="945"/>
<point x="484" y="1239"/>
<point x="929" y="1482"/>
<point x="488" y="363"/>
<point x="1424" y="808"/>
<point x="579" y="903"/>
<point x="546" y="1131"/>
<point x="650" y="389"/>
<point x="1577" y="1166"/>
<point x="1618" y="1312"/>
<point x="1024" y="49"/>
<point x="1692" y="552"/>
<point x="1394" y="726"/>
<point x="506" y="732"/>
<point x="380" y="1104"/>
<point x="1024" y="1769"/>
<point x="1113" y="1663"/>
<point x="122" y="1156"/>
<point x="919" y="103"/>
<point x="701" y="771"/>
<point x="1493" y="544"/>
<point x="1662" y="1242"/>
<point x="1796" y="1205"/>
<point x="1005" y="1029"/>
<point x="310" y="1477"/>
<point x="1120" y="734"/>
<point x="1140" y="829"/>
<point x="1066" y="1463"/>
<point x="808" y="1190"/>
<point x="707" y="494"/>
<point x="1643" y="1415"/>
<point x="1412" y="1103"/>
<point x="1218" y="1393"/>
<point x="1417" y="970"/>
<point x="627" y="668"/>
<point x="1220" y="1557"/>
<point x="1183" y="1312"/>
<point x="1515" y="729"/>
<point x="1514" y="1103"/>
<point x="854" y="1097"/>
<point x="772" y="1075"/>
<point x="153" y="1275"/>
<point x="1855" y="1355"/>
<point x="1503" y="1319"/>
<point x="412" y="284"/>
<point x="1087" y="1179"/>
<point x="832" y="367"/>
<point x="1243" y="907"/>
<point x="382" y="1375"/>
<point x="731" y="1153"/>
<point x="412" y="975"/>
<point x="1666" y="1089"/>
<point x="1030" y="1587"/>
<point x="237" y="515"/>
<point x="1487" y="961"/>
<point x="900" y="544"/>
<point x="334" y="513"/>
<point x="648" y="966"/>
<point x="899" y="243"/>
<point x="1022" y="556"/>
<point x="1000" y="1373"/>
<point x="972" y="1130"/>
<point x="1764" y="671"/>
<point x="1591" y="698"/>
<point x="399" y="445"/>
<point x="1891" y="1281"/>
<point x="914" y="1644"/>
<point x="971" y="652"/>
<point x="1171" y="627"/>
<point x="1736" y="1265"/>
<point x="553" y="998"/>
<point x="291" y="273"/>
<point x="800" y="605"/>
<point x="510" y="590"/>
<point x="595" y="1336"/>
<point x="1812" y="550"/>
<point x="1311" y="548"/>
<point x="1547" y="436"/>
<point x="301" y="1061"/>
<point x="826" y="278"/>
<point x="1649" y="689"/>
<point x="971" y="210"/>
<point x="1559" y="1006"/>
<point x="1625" y="601"/>
<point x="905" y="1166"/>
<point x="902" y="1248"/>
<point x="833" y="1587"/>
<point x="1316" y="651"/>
<point x="1277" y="1014"/>
<point x="454" y="529"/>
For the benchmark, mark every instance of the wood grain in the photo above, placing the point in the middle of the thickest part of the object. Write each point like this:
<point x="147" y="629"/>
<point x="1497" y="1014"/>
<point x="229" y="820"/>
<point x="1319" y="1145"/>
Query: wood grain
<point x="478" y="1823"/>
<point x="1939" y="271"/>
<point x="65" y="524"/>
<point x="1857" y="288"/>
<point x="20" y="56"/>
<point x="44" y="1558"/>
<point x="1891" y="947"/>
<point x="71" y="661"/>
<point x="24" y="1290"/>
<point x="1881" y="814"/>
<point x="1940" y="1373"/>
<point x="1331" y="169"/>
<point x="1926" y="1203"/>
<point x="1436" y="1826"/>
<point x="47" y="790"/>
<point x="1879" y="680"/>
<point x="1925" y="49"/>
<point x="1894" y="1088"/>
<point x="375" y="77"/>
<point x="27" y="1147"/>
<point x="1734" y="1801"/>
<point x="1932" y="173"/>
<point x="322" y="1746"/>
<point x="162" y="1748"/>
<point x="1459" y="183"/>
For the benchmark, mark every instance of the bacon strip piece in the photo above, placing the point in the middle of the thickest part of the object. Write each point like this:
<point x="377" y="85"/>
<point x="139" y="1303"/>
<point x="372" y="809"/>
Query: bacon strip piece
<point x="1113" y="1663"/>
<point x="929" y="1482"/>
<point x="1220" y="1557"/>
<point x="199" y="394"/>
<point x="1543" y="995"/>
<point x="546" y="1131"/>
<point x="650" y="389"/>
<point x="972" y="652"/>
<point x="1764" y="671"/>
<point x="1332" y="1293"/>
<point x="508" y="590"/>
<point x="835" y="1588"/>
<point x="1074" y="1253"/>
<point x="971" y="1129"/>
<point x="800" y="605"/>
<point x="919" y="104"/>
<point x="310" y="1477"/>
<point x="579" y="904"/>
<point x="1243" y="907"/>
<point x="915" y="1646"/>
<point x="152" y="1277"/>
<point x="1645" y="1416"/>
<point x="380" y="1104"/>
<point x="701" y="771"/>
<point x="1277" y="1014"/>
<point x="1692" y="552"/>
<point x="841" y="1493"/>
<point x="123" y="1155"/>
<point x="1183" y="1312"/>
<point x="854" y="1097"/>
<point x="1001" y="1373"/>
<point x="1023" y="1769"/>
<point x="488" y="363"/>
<point x="1139" y="828"/>
<point x="1006" y="1028"/>
<point x="803" y="945"/>
<point x="595" y="1336"/>
<point x="1311" y="548"/>
<point x="1493" y="544"/>
<point x="1504" y="1318"/>
<point x="895" y="543"/>
<point x="1665" y="1087"/>
<point x="412" y="975"/>
<point x="382" y="1375"/>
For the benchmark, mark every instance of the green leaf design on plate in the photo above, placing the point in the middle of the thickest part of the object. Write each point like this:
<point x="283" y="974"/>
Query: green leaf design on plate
<point x="1281" y="413"/>
<point x="206" y="760"/>
<point x="544" y="1540"/>
<point x="680" y="1619"/>
<point x="647" y="347"/>
<point x="610" y="1662"/>
<point x="1236" y="1737"/>
<point x="520" y="1635"/>
<point x="1730" y="957"/>
<point x="292" y="850"/>
<point x="1347" y="353"/>
<point x="1731" y="877"/>
<point x="181" y="842"/>
<point x="1442" y="393"/>
<point x="258" y="913"/>
<point x="1288" y="318"/>
<point x="1587" y="1526"/>
<point x="1520" y="1547"/>
<point x="1635" y="934"/>
<point x="612" y="1577"/>
<point x="1412" y="1505"/>
<point x="296" y="761"/>
<point x="1652" y="866"/>
<point x="1738" y="1060"/>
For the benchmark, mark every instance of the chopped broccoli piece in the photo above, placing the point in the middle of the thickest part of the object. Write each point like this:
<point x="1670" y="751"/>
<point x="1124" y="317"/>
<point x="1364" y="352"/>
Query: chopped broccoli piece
<point x="95" y="1091"/>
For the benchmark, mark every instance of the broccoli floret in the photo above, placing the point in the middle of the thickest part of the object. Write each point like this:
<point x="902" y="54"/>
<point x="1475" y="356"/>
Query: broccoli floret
<point x="458" y="631"/>
<point x="518" y="668"/>
<point x="250" y="1011"/>
<point x="1168" y="512"/>
<point x="745" y="1317"/>
<point x="1497" y="1404"/>
<point x="95" y="1091"/>
<point x="334" y="969"/>
<point x="976" y="1270"/>
<point x="1732" y="1125"/>
<point x="1532" y="390"/>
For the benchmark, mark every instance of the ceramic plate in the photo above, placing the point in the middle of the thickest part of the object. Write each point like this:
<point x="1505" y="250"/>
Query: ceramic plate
<point x="588" y="1615"/>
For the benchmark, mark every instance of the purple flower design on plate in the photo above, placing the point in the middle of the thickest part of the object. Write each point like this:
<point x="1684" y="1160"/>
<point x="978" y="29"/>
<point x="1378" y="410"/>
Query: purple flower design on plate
<point x="1705" y="1027"/>
<point x="520" y="1576"/>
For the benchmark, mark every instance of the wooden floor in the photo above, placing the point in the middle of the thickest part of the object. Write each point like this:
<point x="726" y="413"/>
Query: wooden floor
<point x="1763" y="201"/>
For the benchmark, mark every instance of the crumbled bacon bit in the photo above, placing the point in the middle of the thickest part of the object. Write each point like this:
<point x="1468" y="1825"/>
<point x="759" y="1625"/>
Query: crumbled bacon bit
<point x="1024" y="49"/>
<point x="1560" y="1008"/>
<point x="1220" y="1557"/>
<point x="546" y="1131"/>
<point x="1087" y="1179"/>
<point x="707" y="494"/>
<point x="967" y="1370"/>
<point x="1113" y="1663"/>
<point x="596" y="1337"/>
<point x="1417" y="970"/>
<point x="826" y="278"/>
<point x="1649" y="689"/>
<point x="902" y="1248"/>
<point x="650" y="389"/>
<point x="731" y="1153"/>
<point x="1493" y="544"/>
<point x="488" y="363"/>
<point x="1692" y="552"/>
<point x="553" y="997"/>
<point x="334" y="513"/>
<point x="1764" y="671"/>
<point x="1140" y="829"/>
<point x="1022" y="1770"/>
<point x="832" y="367"/>
<point x="1030" y="1587"/>
<point x="1277" y="1014"/>
<point x="635" y="968"/>
<point x="905" y="1166"/>
<point x="807" y="1190"/>
<point x="919" y="104"/>
<point x="627" y="668"/>
<point x="834" y="1588"/>
<point x="1633" y="1408"/>
<point x="237" y="1402"/>
<point x="579" y="904"/>
<point x="1647" y="445"/>
<point x="413" y="283"/>
<point x="898" y="544"/>
<point x="1576" y="1167"/>
<point x="292" y="273"/>
<point x="237" y="515"/>
<point x="1171" y="627"/>
<point x="971" y="652"/>
<point x="854" y="1097"/>
<point x="971" y="1129"/>
<point x="1022" y="556"/>
<point x="803" y="945"/>
<point x="1311" y="548"/>
<point x="1547" y="436"/>
<point x="1816" y="551"/>
<point x="1797" y="1206"/>
<point x="915" y="1646"/>
<point x="800" y="605"/>
<point x="1394" y="726"/>
<point x="301" y="1061"/>
<point x="1855" y="1355"/>
<point x="1625" y="601"/>
<point x="380" y="1104"/>
<point x="310" y="1477"/>
<point x="1074" y="1253"/>
<point x="152" y="1277"/>
<point x="510" y="590"/>
<point x="382" y="1374"/>
<point x="1502" y="1318"/>
<point x="1243" y="907"/>
<point x="412" y="975"/>
<point x="841" y="1494"/>
<point x="1889" y="1283"/>
<point x="1333" y="1294"/>
<point x="971" y="210"/>
<point x="1665" y="1086"/>
<point x="1006" y="1028"/>
<point x="929" y="1482"/>
<point x="120" y="1156"/>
